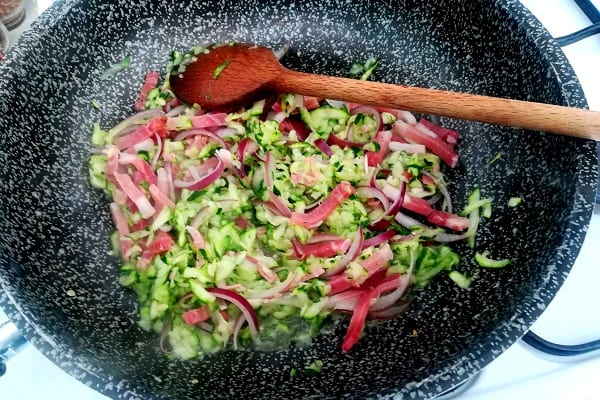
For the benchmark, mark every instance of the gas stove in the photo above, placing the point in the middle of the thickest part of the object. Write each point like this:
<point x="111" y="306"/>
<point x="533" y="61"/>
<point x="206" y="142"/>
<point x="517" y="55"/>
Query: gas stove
<point x="521" y="372"/>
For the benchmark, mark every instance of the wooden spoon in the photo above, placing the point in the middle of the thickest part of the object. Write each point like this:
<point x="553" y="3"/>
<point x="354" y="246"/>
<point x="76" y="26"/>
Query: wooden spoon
<point x="234" y="75"/>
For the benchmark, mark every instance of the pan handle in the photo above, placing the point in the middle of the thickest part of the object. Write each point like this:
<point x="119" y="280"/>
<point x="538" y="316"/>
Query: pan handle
<point x="11" y="341"/>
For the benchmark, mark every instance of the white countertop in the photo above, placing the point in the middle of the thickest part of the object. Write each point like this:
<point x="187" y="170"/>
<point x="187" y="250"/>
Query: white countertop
<point x="519" y="373"/>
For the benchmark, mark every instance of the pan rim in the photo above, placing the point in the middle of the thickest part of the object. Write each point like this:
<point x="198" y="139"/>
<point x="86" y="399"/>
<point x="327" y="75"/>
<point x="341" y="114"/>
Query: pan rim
<point x="584" y="196"/>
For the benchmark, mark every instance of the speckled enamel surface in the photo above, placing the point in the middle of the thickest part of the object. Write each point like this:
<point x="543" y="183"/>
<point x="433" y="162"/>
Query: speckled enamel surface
<point x="54" y="228"/>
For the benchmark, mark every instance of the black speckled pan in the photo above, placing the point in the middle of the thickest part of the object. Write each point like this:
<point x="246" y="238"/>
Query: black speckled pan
<point x="54" y="227"/>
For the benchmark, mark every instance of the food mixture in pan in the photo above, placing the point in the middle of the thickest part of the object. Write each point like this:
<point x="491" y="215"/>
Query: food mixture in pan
<point x="251" y="229"/>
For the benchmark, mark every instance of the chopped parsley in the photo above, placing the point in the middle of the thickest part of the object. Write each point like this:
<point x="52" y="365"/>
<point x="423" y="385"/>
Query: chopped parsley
<point x="220" y="68"/>
<point x="496" y="158"/>
<point x="116" y="68"/>
<point x="514" y="201"/>
<point x="315" y="367"/>
<point x="364" y="71"/>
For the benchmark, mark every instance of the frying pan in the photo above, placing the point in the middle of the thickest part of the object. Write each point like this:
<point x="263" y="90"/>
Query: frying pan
<point x="54" y="227"/>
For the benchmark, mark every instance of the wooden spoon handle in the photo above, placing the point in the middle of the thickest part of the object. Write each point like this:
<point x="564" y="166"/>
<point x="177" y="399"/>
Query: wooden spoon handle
<point x="523" y="114"/>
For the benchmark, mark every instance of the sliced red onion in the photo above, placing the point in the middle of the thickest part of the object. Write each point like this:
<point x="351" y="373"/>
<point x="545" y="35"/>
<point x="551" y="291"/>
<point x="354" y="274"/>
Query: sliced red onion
<point x="389" y="313"/>
<point x="280" y="204"/>
<point x="199" y="131"/>
<point x="245" y="146"/>
<point x="128" y="130"/>
<point x="163" y="181"/>
<point x="408" y="147"/>
<point x="227" y="202"/>
<point x="401" y="115"/>
<point x="205" y="167"/>
<point x="292" y="278"/>
<point x="227" y="158"/>
<point x="169" y="175"/>
<point x="163" y="335"/>
<point x="298" y="253"/>
<point x="447" y="199"/>
<point x="316" y="272"/>
<point x="322" y="237"/>
<point x="157" y="154"/>
<point x="194" y="172"/>
<point x="235" y="287"/>
<point x="204" y="181"/>
<point x="353" y="252"/>
<point x="449" y="237"/>
<point x="406" y="116"/>
<point x="312" y="205"/>
<point x="407" y="222"/>
<point x="334" y="140"/>
<point x="119" y="219"/>
<point x="197" y="238"/>
<point x="183" y="301"/>
<point x="175" y="111"/>
<point x="242" y="222"/>
<point x="277" y="116"/>
<point x="374" y="193"/>
<point x="160" y="198"/>
<point x="135" y="194"/>
<point x="426" y="130"/>
<point x="372" y="111"/>
<point x="366" y="165"/>
<point x="373" y="177"/>
<point x="269" y="167"/>
<point x="316" y="216"/>
<point x="144" y="145"/>
<point x="324" y="147"/>
<point x="398" y="201"/>
<point x="404" y="238"/>
<point x="236" y="330"/>
<point x="345" y="301"/>
<point x="435" y="199"/>
<point x="336" y="103"/>
<point x="226" y="132"/>
<point x="379" y="239"/>
<point x="119" y="196"/>
<point x="135" y="119"/>
<point x="241" y="303"/>
<point x="270" y="207"/>
<point x="264" y="271"/>
<point x="391" y="298"/>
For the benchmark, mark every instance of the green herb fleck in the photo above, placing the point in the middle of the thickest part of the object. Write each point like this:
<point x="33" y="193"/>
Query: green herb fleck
<point x="496" y="158"/>
<point x="220" y="68"/>
<point x="194" y="381"/>
<point x="116" y="68"/>
<point x="95" y="104"/>
<point x="364" y="71"/>
<point x="208" y="96"/>
<point x="71" y="293"/>
<point x="293" y="373"/>
<point x="514" y="201"/>
<point x="315" y="367"/>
